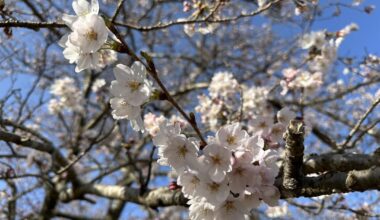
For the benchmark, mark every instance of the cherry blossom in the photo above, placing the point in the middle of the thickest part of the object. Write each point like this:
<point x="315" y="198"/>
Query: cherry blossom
<point x="218" y="160"/>
<point x="177" y="153"/>
<point x="231" y="136"/>
<point x="123" y="110"/>
<point x="89" y="33"/>
<point x="67" y="96"/>
<point x="131" y="83"/>
<point x="131" y="89"/>
<point x="220" y="180"/>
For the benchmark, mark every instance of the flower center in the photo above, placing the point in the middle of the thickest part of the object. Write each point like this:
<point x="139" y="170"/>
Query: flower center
<point x="182" y="151"/>
<point x="231" y="139"/>
<point x="276" y="130"/>
<point x="92" y="35"/>
<point x="229" y="206"/>
<point x="195" y="180"/>
<point x="263" y="124"/>
<point x="239" y="171"/>
<point x="134" y="85"/>
<point x="213" y="186"/>
<point x="216" y="160"/>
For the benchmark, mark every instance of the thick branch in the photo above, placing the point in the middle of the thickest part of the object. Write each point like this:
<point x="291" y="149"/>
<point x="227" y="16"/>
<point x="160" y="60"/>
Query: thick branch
<point x="294" y="137"/>
<point x="339" y="162"/>
<point x="325" y="184"/>
<point x="336" y="182"/>
<point x="159" y="197"/>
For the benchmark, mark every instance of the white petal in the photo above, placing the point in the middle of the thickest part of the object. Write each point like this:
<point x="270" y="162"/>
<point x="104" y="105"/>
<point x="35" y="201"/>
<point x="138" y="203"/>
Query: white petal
<point x="69" y="20"/>
<point x="217" y="175"/>
<point x="81" y="7"/>
<point x="94" y="6"/>
<point x="62" y="42"/>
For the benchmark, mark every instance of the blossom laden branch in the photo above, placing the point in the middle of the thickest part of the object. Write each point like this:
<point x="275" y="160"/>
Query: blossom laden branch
<point x="191" y="117"/>
<point x="56" y="24"/>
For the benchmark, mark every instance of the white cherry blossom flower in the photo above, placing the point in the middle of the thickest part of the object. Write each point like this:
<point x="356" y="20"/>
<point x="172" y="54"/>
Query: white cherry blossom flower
<point x="249" y="202"/>
<point x="239" y="176"/>
<point x="215" y="193"/>
<point x="165" y="131"/>
<point x="178" y="152"/>
<point x="74" y="55"/>
<point x="231" y="136"/>
<point x="201" y="210"/>
<point x="131" y="89"/>
<point x="123" y="110"/>
<point x="81" y="8"/>
<point x="218" y="160"/>
<point x="230" y="209"/>
<point x="261" y="125"/>
<point x="131" y="83"/>
<point x="277" y="131"/>
<point x="89" y="33"/>
<point x="190" y="183"/>
<point x="223" y="84"/>
<point x="255" y="145"/>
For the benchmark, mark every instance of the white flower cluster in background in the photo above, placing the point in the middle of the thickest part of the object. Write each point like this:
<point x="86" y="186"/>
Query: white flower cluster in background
<point x="267" y="128"/>
<point x="83" y="45"/>
<point x="223" y="99"/>
<point x="225" y="179"/>
<point x="67" y="96"/>
<point x="152" y="122"/>
<point x="322" y="50"/>
<point x="302" y="80"/>
<point x="131" y="90"/>
<point x="224" y="105"/>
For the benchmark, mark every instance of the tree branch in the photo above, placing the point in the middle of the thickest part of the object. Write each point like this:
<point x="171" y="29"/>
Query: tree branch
<point x="294" y="148"/>
<point x="339" y="162"/>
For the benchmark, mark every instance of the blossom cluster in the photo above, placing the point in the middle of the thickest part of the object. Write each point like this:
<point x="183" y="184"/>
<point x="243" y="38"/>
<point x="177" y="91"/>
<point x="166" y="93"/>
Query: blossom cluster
<point x="322" y="48"/>
<point x="223" y="99"/>
<point x="83" y="45"/>
<point x="152" y="122"/>
<point x="223" y="104"/>
<point x="301" y="80"/>
<point x="225" y="179"/>
<point x="66" y="96"/>
<point x="131" y="90"/>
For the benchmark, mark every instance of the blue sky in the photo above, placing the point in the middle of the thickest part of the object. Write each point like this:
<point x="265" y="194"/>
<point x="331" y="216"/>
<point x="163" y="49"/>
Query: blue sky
<point x="368" y="36"/>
